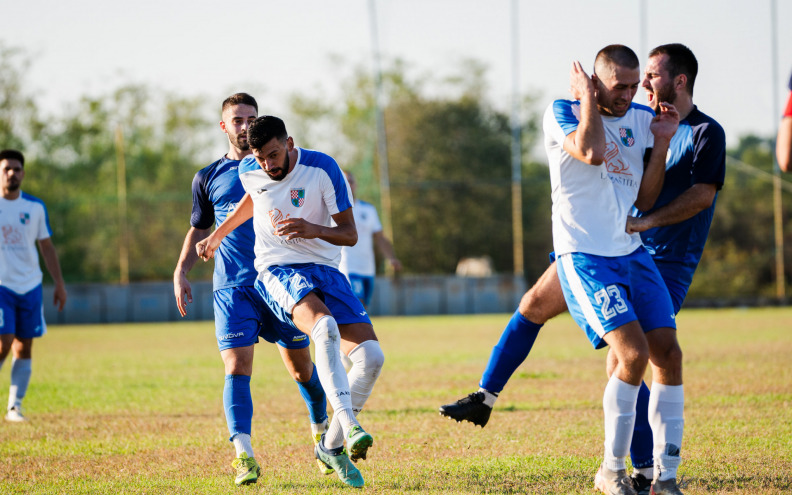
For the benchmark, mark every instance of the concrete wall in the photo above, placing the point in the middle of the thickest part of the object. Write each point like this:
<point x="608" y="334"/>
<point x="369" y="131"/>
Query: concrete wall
<point x="413" y="295"/>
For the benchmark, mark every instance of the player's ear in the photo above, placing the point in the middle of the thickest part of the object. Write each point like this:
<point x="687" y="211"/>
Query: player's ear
<point x="222" y="125"/>
<point x="680" y="82"/>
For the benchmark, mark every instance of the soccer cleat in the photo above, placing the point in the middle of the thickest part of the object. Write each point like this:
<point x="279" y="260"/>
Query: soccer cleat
<point x="358" y="443"/>
<point x="613" y="482"/>
<point x="15" y="415"/>
<point x="472" y="408"/>
<point x="667" y="487"/>
<point x="340" y="463"/>
<point x="248" y="470"/>
<point x="323" y="468"/>
<point x="641" y="483"/>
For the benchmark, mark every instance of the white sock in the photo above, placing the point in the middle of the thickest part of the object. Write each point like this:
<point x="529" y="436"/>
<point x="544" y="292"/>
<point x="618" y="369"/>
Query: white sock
<point x="242" y="444"/>
<point x="332" y="374"/>
<point x="489" y="397"/>
<point x="318" y="427"/>
<point x="618" y="403"/>
<point x="367" y="360"/>
<point x="666" y="417"/>
<point x="21" y="369"/>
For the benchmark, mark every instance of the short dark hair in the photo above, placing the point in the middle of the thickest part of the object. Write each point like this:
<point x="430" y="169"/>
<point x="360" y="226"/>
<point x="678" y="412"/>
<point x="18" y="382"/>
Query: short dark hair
<point x="263" y="129"/>
<point x="620" y="55"/>
<point x="680" y="61"/>
<point x="12" y="155"/>
<point x="239" y="99"/>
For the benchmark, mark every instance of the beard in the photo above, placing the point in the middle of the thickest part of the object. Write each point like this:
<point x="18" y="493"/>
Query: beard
<point x="664" y="94"/>
<point x="240" y="142"/>
<point x="279" y="173"/>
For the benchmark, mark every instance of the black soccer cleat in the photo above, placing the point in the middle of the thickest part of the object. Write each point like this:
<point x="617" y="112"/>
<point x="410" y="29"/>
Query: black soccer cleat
<point x="472" y="408"/>
<point x="641" y="484"/>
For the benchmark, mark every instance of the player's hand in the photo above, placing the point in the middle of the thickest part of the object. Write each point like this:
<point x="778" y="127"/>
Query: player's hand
<point x="59" y="297"/>
<point x="637" y="224"/>
<point x="294" y="228"/>
<point x="664" y="125"/>
<point x="580" y="84"/>
<point x="207" y="247"/>
<point x="396" y="264"/>
<point x="183" y="292"/>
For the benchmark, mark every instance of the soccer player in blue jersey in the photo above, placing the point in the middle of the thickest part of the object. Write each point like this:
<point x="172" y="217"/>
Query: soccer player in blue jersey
<point x="302" y="213"/>
<point x="24" y="222"/>
<point x="676" y="231"/>
<point x="241" y="318"/>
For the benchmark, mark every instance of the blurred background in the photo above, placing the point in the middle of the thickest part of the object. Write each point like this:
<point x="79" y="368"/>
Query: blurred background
<point x="434" y="105"/>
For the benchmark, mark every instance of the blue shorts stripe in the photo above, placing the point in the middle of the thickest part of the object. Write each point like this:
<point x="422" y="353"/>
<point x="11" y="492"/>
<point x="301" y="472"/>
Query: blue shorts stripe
<point x="580" y="299"/>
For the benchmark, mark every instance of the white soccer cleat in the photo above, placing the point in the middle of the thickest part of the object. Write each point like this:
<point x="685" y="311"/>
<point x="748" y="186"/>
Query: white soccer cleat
<point x="15" y="415"/>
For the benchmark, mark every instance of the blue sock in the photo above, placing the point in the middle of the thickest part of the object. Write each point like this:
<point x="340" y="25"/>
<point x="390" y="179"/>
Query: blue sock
<point x="515" y="343"/>
<point x="238" y="404"/>
<point x="314" y="397"/>
<point x="642" y="444"/>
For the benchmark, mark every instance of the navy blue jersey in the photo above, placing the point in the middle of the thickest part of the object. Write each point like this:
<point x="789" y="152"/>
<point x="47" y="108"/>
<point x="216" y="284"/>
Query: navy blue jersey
<point x="216" y="192"/>
<point x="697" y="155"/>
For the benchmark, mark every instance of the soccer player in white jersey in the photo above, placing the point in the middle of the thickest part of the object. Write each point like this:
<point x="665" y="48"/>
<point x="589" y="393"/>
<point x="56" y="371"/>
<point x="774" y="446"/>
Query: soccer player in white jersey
<point x="24" y="221"/>
<point x="293" y="194"/>
<point x="241" y="317"/>
<point x="358" y="262"/>
<point x="595" y="147"/>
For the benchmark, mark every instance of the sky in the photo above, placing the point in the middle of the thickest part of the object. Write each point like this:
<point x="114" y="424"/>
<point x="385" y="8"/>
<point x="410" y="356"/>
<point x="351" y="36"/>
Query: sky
<point x="274" y="49"/>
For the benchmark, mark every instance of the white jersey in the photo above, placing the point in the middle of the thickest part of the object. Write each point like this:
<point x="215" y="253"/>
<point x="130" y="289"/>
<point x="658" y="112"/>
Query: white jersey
<point x="591" y="203"/>
<point x="23" y="221"/>
<point x="314" y="190"/>
<point x="359" y="259"/>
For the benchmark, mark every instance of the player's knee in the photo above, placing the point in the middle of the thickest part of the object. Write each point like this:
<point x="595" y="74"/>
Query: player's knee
<point x="325" y="329"/>
<point x="368" y="356"/>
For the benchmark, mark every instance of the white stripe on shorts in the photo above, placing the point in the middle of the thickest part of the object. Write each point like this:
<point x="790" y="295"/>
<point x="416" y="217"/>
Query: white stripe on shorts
<point x="580" y="295"/>
<point x="277" y="291"/>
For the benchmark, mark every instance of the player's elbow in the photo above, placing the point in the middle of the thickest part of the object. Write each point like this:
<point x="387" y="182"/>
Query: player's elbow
<point x="594" y="156"/>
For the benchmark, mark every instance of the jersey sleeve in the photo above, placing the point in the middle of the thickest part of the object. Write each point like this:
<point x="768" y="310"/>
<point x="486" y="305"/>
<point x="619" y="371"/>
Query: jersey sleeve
<point x="709" y="156"/>
<point x="44" y="230"/>
<point x="203" y="216"/>
<point x="335" y="191"/>
<point x="567" y="115"/>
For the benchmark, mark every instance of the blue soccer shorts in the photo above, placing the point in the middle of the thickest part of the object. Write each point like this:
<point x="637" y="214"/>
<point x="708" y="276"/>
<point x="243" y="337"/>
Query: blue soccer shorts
<point x="604" y="293"/>
<point x="22" y="314"/>
<point x="677" y="276"/>
<point x="284" y="286"/>
<point x="242" y="316"/>
<point x="362" y="287"/>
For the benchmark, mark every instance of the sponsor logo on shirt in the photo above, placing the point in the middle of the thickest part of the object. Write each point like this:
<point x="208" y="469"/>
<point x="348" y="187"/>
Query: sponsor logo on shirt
<point x="12" y="236"/>
<point x="298" y="197"/>
<point x="613" y="160"/>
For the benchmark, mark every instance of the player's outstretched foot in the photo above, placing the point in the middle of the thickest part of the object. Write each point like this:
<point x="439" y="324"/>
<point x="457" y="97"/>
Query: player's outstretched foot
<point x="613" y="482"/>
<point x="248" y="470"/>
<point x="358" y="443"/>
<point x="472" y="408"/>
<point x="338" y="461"/>
<point x="15" y="415"/>
<point x="667" y="487"/>
<point x="641" y="483"/>
<point x="323" y="468"/>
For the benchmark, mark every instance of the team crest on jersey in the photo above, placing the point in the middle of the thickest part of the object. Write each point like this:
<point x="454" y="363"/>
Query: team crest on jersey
<point x="24" y="218"/>
<point x="626" y="135"/>
<point x="298" y="197"/>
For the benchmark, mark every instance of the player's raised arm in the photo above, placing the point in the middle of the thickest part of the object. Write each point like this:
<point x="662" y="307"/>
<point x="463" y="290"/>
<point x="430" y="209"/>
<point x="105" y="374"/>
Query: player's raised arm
<point x="587" y="143"/>
<point x="243" y="212"/>
<point x="663" y="127"/>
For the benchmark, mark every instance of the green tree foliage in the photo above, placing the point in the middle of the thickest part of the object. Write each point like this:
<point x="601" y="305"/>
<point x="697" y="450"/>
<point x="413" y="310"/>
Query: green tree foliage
<point x="739" y="259"/>
<point x="449" y="163"/>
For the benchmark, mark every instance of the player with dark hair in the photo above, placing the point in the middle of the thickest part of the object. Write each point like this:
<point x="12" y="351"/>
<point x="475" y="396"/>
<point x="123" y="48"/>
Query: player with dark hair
<point x="302" y="213"/>
<point x="241" y="318"/>
<point x="24" y="222"/>
<point x="676" y="231"/>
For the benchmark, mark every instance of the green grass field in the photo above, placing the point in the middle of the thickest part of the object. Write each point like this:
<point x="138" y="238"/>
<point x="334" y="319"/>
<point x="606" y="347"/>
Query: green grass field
<point x="138" y="409"/>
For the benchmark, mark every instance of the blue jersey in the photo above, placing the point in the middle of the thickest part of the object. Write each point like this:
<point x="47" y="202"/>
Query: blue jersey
<point x="697" y="155"/>
<point x="216" y="193"/>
